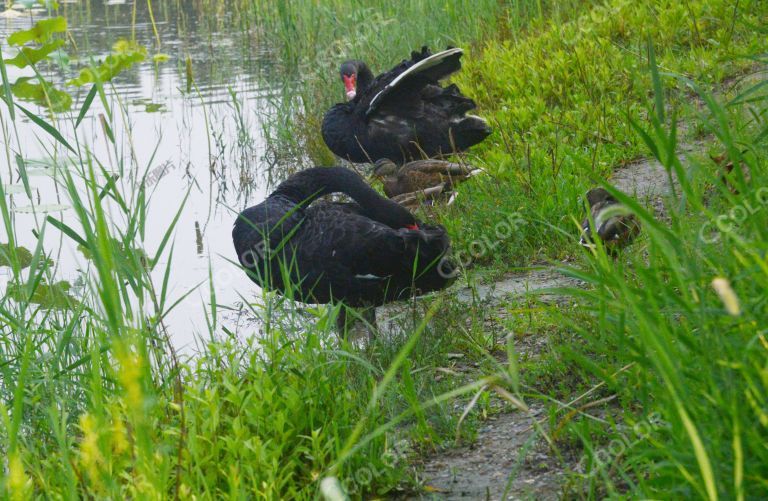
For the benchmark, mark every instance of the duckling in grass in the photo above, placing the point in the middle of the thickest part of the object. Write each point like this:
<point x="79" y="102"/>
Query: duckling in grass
<point x="614" y="225"/>
<point x="421" y="177"/>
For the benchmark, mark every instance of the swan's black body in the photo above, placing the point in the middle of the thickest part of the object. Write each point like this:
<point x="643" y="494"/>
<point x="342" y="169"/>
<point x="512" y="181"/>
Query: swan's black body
<point x="361" y="254"/>
<point x="403" y="114"/>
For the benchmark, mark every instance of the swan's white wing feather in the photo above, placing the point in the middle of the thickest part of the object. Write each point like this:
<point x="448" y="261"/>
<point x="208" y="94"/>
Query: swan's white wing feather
<point x="419" y="67"/>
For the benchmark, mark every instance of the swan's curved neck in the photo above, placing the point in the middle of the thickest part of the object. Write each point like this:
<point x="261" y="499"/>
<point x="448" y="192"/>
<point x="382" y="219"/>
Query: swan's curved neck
<point x="364" y="76"/>
<point x="310" y="184"/>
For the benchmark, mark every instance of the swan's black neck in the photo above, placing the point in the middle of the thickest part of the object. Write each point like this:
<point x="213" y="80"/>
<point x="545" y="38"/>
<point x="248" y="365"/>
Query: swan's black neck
<point x="310" y="184"/>
<point x="364" y="76"/>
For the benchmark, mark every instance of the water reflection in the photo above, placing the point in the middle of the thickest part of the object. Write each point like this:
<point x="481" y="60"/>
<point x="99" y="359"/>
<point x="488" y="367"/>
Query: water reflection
<point x="207" y="144"/>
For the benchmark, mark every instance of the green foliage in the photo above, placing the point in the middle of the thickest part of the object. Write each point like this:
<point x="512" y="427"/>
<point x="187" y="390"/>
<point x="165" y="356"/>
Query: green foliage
<point x="689" y="322"/>
<point x="42" y="94"/>
<point x="48" y="296"/>
<point x="23" y="255"/>
<point x="41" y="32"/>
<point x="28" y="56"/>
<point x="559" y="99"/>
<point x="124" y="55"/>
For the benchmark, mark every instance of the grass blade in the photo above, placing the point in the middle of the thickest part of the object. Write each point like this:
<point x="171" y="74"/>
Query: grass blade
<point x="50" y="129"/>
<point x="86" y="105"/>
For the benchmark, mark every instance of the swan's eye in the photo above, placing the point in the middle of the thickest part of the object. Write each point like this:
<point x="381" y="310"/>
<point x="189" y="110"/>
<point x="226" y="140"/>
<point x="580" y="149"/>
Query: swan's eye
<point x="350" y="85"/>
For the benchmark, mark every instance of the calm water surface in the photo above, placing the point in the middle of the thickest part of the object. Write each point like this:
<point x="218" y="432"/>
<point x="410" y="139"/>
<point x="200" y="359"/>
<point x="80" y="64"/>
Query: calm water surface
<point x="209" y="144"/>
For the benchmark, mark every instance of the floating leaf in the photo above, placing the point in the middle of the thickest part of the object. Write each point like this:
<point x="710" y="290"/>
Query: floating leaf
<point x="61" y="58"/>
<point x="160" y="57"/>
<point x="42" y="94"/>
<point x="40" y="32"/>
<point x="155" y="108"/>
<point x="28" y="56"/>
<point x="149" y="106"/>
<point x="125" y="54"/>
<point x="29" y="209"/>
<point x="25" y="257"/>
<point x="14" y="189"/>
<point x="10" y="14"/>
<point x="54" y="296"/>
<point x="25" y="4"/>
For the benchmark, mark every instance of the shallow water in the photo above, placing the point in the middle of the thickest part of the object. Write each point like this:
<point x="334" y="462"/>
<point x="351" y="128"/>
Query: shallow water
<point x="208" y="143"/>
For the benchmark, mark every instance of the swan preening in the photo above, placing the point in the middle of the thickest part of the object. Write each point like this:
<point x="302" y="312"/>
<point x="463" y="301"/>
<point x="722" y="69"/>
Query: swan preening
<point x="403" y="114"/>
<point x="362" y="254"/>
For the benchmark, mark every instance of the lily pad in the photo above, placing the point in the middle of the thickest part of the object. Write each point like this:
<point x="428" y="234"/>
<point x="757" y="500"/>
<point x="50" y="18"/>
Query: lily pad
<point x="42" y="208"/>
<point x="14" y="189"/>
<point x="10" y="14"/>
<point x="150" y="107"/>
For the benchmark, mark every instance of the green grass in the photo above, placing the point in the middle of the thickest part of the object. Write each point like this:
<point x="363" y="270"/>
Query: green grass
<point x="94" y="402"/>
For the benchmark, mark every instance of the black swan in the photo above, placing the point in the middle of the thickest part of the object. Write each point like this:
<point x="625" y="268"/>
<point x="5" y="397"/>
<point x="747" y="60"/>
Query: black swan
<point x="402" y="114"/>
<point x="613" y="225"/>
<point x="361" y="254"/>
<point x="420" y="175"/>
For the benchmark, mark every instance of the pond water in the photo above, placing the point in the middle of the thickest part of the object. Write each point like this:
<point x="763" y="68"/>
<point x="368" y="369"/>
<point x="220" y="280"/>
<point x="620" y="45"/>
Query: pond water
<point x="209" y="143"/>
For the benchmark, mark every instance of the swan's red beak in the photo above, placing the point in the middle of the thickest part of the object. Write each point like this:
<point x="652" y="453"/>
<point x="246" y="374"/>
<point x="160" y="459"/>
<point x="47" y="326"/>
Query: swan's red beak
<point x="350" y="85"/>
<point x="412" y="227"/>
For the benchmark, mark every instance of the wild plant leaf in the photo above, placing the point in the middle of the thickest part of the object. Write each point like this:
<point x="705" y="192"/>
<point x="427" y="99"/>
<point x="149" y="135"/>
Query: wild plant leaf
<point x="46" y="127"/>
<point x="160" y="58"/>
<point x="67" y="230"/>
<point x="7" y="94"/>
<point x="23" y="174"/>
<point x="28" y="56"/>
<point x="22" y="253"/>
<point x="87" y="252"/>
<point x="40" y="32"/>
<point x="106" y="128"/>
<point x="658" y="89"/>
<point x="86" y="105"/>
<point x="42" y="94"/>
<point x="48" y="296"/>
<point x="188" y="71"/>
<point x="124" y="55"/>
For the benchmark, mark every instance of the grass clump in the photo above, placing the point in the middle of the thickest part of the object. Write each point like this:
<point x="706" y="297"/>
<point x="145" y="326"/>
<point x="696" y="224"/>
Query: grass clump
<point x="561" y="100"/>
<point x="686" y="320"/>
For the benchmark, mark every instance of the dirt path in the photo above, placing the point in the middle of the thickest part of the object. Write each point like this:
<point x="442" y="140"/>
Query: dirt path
<point x="509" y="459"/>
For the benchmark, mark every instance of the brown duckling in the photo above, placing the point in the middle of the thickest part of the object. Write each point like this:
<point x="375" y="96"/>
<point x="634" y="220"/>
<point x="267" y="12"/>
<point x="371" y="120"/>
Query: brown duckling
<point x="615" y="227"/>
<point x="420" y="175"/>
